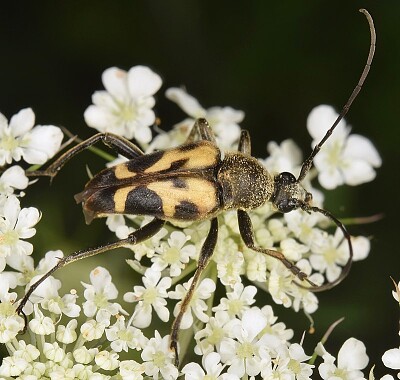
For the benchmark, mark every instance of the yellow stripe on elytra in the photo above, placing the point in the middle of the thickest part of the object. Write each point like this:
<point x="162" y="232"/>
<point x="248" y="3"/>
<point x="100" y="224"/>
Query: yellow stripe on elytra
<point x="205" y="155"/>
<point x="121" y="172"/>
<point x="198" y="191"/>
<point x="120" y="197"/>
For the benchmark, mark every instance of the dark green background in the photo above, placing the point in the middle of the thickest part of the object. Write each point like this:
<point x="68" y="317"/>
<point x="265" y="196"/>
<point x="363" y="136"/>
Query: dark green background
<point x="274" y="60"/>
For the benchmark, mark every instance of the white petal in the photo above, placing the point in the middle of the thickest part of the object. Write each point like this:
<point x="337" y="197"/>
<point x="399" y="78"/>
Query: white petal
<point x="361" y="247"/>
<point x="188" y="103"/>
<point x="321" y="119"/>
<point x="142" y="134"/>
<point x="211" y="361"/>
<point x="143" y="82"/>
<point x="116" y="83"/>
<point x="3" y="123"/>
<point x="103" y="99"/>
<point x="98" y="118"/>
<point x="15" y="177"/>
<point x="193" y="371"/>
<point x="352" y="355"/>
<point x="142" y="317"/>
<point x="358" y="172"/>
<point x="360" y="147"/>
<point x="226" y="115"/>
<point x="330" y="179"/>
<point x="253" y="322"/>
<point x="27" y="218"/>
<point x="43" y="143"/>
<point x="162" y="312"/>
<point x="23" y="248"/>
<point x="11" y="210"/>
<point x="391" y="358"/>
<point x="22" y="122"/>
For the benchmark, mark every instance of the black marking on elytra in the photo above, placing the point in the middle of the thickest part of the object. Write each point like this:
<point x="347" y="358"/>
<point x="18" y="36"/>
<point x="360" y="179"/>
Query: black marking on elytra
<point x="186" y="210"/>
<point x="141" y="163"/>
<point x="102" y="179"/>
<point x="143" y="201"/>
<point x="179" y="183"/>
<point x="101" y="201"/>
<point x="175" y="165"/>
<point x="188" y="147"/>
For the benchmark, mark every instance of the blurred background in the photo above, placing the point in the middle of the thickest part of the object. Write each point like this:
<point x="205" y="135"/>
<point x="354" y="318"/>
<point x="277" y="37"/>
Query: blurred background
<point x="273" y="60"/>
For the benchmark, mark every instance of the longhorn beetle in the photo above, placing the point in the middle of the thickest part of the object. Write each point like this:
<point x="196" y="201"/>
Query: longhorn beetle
<point x="194" y="182"/>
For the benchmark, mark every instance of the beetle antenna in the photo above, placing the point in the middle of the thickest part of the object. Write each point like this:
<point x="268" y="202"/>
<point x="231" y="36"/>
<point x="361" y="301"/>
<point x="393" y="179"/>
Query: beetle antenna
<point x="346" y="268"/>
<point x="308" y="162"/>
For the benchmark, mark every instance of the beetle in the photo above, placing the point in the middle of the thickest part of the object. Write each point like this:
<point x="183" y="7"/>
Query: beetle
<point x="194" y="182"/>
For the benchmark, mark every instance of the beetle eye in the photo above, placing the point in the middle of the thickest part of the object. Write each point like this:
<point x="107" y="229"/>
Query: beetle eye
<point x="285" y="178"/>
<point x="287" y="205"/>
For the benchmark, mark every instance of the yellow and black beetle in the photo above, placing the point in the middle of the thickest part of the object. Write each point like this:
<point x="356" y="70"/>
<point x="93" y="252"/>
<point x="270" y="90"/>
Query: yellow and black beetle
<point x="190" y="183"/>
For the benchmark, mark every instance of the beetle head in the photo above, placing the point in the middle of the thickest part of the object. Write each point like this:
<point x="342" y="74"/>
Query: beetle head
<point x="289" y="194"/>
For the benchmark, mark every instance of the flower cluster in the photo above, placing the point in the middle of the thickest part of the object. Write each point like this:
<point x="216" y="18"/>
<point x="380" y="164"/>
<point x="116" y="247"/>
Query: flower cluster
<point x="85" y="334"/>
<point x="391" y="358"/>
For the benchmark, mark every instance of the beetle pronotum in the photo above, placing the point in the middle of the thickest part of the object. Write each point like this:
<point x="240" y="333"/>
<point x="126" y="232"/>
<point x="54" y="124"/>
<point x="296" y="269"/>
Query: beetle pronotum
<point x="193" y="182"/>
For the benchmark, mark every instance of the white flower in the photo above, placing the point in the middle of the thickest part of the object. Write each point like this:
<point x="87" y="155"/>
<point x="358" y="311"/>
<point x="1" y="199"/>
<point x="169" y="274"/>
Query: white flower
<point x="274" y="328"/>
<point x="123" y="336"/>
<point x="99" y="292"/>
<point x="16" y="224"/>
<point x="203" y="291"/>
<point x="302" y="224"/>
<point x="237" y="301"/>
<point x="66" y="334"/>
<point x="288" y="363"/>
<point x="125" y="108"/>
<point x="212" y="366"/>
<point x="158" y="358"/>
<point x="286" y="157"/>
<point x="173" y="253"/>
<point x="40" y="324"/>
<point x="241" y="350"/>
<point x="20" y="139"/>
<point x="352" y="358"/>
<point x="230" y="265"/>
<point x="152" y="295"/>
<point x="329" y="253"/>
<point x="131" y="370"/>
<point x="93" y="329"/>
<point x="344" y="158"/>
<point x="107" y="360"/>
<point x="223" y="120"/>
<point x="212" y="334"/>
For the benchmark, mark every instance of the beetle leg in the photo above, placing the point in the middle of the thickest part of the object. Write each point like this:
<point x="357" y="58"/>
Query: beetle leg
<point x="246" y="231"/>
<point x="202" y="130"/>
<point x="245" y="142"/>
<point x="141" y="234"/>
<point x="117" y="143"/>
<point x="204" y="258"/>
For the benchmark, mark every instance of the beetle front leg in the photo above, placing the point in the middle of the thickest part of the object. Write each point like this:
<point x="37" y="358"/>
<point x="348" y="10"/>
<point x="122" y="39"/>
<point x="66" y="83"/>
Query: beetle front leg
<point x="206" y="252"/>
<point x="202" y="130"/>
<point x="245" y="142"/>
<point x="141" y="234"/>
<point x="246" y="231"/>
<point x="117" y="143"/>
